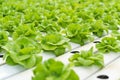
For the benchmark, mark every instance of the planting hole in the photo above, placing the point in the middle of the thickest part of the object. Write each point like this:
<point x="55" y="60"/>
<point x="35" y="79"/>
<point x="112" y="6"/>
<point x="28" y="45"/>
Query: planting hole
<point x="103" y="77"/>
<point x="1" y="55"/>
<point x="96" y="42"/>
<point x="75" y="52"/>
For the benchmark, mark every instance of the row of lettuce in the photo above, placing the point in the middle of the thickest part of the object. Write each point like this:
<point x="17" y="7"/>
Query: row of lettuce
<point x="28" y="27"/>
<point x="25" y="51"/>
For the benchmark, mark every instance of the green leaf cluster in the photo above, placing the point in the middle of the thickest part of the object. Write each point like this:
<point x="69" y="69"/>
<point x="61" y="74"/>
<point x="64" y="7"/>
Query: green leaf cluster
<point x="26" y="30"/>
<point x="78" y="33"/>
<point x="22" y="51"/>
<point x="55" y="42"/>
<point x="53" y="70"/>
<point x="98" y="28"/>
<point x="87" y="58"/>
<point x="108" y="44"/>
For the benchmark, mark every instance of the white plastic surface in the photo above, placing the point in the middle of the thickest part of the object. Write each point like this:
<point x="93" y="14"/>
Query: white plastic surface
<point x="7" y="71"/>
<point x="112" y="71"/>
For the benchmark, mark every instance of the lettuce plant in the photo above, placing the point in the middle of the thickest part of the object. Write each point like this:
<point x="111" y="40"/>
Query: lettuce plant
<point x="108" y="44"/>
<point x="111" y="22"/>
<point x="78" y="34"/>
<point x="87" y="58"/>
<point x="7" y="23"/>
<point x="22" y="51"/>
<point x="53" y="70"/>
<point x="27" y="30"/>
<point x="98" y="28"/>
<point x="48" y="26"/>
<point x="55" y="42"/>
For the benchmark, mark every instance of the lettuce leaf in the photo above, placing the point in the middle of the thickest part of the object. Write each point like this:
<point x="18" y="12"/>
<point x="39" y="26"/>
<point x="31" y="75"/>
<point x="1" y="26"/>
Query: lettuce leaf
<point x="3" y="39"/>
